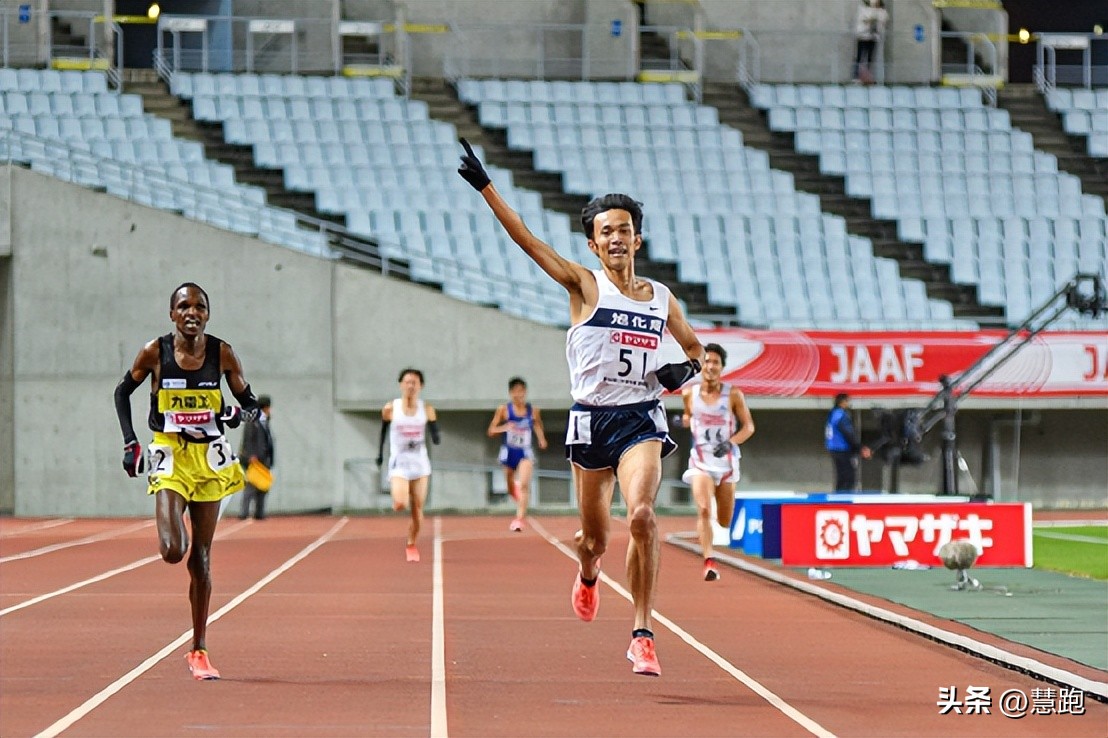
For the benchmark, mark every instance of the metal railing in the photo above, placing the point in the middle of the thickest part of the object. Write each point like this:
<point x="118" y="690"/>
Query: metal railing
<point x="27" y="38"/>
<point x="462" y="486"/>
<point x="216" y="205"/>
<point x="1048" y="73"/>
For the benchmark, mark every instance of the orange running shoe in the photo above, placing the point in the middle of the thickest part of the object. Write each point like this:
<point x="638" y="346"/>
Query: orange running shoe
<point x="199" y="666"/>
<point x="586" y="600"/>
<point x="516" y="525"/>
<point x="642" y="657"/>
<point x="411" y="553"/>
<point x="711" y="573"/>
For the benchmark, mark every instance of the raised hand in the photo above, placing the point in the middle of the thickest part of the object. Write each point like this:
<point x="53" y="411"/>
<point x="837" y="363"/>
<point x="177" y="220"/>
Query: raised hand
<point x="471" y="169"/>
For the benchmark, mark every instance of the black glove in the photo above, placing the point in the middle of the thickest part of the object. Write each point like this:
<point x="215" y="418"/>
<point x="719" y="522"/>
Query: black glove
<point x="134" y="460"/>
<point x="471" y="169"/>
<point x="232" y="416"/>
<point x="721" y="449"/>
<point x="672" y="376"/>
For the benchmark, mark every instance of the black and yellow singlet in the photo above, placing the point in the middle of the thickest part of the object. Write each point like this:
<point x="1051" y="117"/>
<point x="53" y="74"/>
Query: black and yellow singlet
<point x="188" y="401"/>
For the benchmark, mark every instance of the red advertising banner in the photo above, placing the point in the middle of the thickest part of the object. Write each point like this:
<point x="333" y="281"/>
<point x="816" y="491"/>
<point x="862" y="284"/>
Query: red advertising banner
<point x="898" y="364"/>
<point x="881" y="534"/>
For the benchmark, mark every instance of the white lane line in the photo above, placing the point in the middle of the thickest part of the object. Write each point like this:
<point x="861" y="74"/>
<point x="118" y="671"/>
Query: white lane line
<point x="1022" y="663"/>
<point x="438" y="644"/>
<point x="37" y="526"/>
<point x="1068" y="523"/>
<point x="784" y="707"/>
<point x="106" y="535"/>
<point x="102" y="696"/>
<point x="107" y="575"/>
<point x="1070" y="537"/>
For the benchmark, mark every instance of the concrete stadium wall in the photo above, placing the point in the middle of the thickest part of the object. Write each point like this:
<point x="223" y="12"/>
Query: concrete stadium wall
<point x="803" y="41"/>
<point x="90" y="276"/>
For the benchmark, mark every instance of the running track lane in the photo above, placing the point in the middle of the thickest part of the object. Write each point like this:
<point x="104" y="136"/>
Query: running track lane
<point x="517" y="661"/>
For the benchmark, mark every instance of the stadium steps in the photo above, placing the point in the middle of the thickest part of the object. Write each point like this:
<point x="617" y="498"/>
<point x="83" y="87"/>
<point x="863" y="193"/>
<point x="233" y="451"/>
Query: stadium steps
<point x="443" y="104"/>
<point x="734" y="110"/>
<point x="1028" y="111"/>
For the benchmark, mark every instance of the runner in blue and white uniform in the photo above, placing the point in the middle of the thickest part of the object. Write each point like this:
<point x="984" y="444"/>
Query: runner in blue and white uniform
<point x="617" y="427"/>
<point x="518" y="421"/>
<point x="720" y="421"/>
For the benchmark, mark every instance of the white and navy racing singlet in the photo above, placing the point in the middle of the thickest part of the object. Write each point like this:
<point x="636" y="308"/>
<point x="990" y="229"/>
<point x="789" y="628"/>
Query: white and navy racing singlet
<point x="613" y="354"/>
<point x="407" y="442"/>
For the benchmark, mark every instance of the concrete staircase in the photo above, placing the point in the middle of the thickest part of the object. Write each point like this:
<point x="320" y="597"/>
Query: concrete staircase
<point x="443" y="103"/>
<point x="735" y="110"/>
<point x="1028" y="111"/>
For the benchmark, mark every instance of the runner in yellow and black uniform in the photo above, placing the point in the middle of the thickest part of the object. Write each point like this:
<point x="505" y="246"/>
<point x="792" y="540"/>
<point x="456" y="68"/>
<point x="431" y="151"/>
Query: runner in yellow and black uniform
<point x="189" y="454"/>
<point x="192" y="466"/>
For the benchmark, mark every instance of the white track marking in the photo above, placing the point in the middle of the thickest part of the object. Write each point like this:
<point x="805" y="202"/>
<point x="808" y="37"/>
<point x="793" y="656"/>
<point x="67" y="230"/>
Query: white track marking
<point x="1068" y="523"/>
<point x="102" y="696"/>
<point x="965" y="643"/>
<point x="38" y="526"/>
<point x="784" y="707"/>
<point x="106" y="575"/>
<point x="438" y="643"/>
<point x="1071" y="537"/>
<point x="79" y="542"/>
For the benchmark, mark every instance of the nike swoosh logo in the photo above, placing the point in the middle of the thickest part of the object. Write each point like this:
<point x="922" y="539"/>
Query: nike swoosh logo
<point x="654" y="308"/>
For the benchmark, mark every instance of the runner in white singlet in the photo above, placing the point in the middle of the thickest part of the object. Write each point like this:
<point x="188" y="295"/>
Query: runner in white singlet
<point x="406" y="420"/>
<point x="720" y="421"/>
<point x="618" y="321"/>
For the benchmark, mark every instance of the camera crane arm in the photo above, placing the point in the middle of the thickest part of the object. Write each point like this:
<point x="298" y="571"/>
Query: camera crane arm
<point x="1084" y="293"/>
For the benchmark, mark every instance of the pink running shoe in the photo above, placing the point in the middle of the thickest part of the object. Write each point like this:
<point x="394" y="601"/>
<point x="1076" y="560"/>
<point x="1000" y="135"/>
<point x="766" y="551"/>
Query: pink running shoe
<point x="199" y="665"/>
<point x="711" y="573"/>
<point x="642" y="657"/>
<point x="586" y="600"/>
<point x="516" y="526"/>
<point x="411" y="553"/>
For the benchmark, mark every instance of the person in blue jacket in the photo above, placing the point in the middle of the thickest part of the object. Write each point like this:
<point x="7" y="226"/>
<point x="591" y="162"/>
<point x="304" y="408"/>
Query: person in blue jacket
<point x="843" y="443"/>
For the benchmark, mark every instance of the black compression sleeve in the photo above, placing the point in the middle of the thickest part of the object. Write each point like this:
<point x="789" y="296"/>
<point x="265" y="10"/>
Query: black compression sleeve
<point x="123" y="391"/>
<point x="433" y="426"/>
<point x="246" y="398"/>
<point x="381" y="441"/>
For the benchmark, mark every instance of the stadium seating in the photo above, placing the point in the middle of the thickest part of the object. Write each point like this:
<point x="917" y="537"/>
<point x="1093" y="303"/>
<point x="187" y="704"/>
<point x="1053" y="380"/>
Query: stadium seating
<point x="68" y="125"/>
<point x="379" y="161"/>
<point x="955" y="177"/>
<point x="713" y="207"/>
<point x="1084" y="112"/>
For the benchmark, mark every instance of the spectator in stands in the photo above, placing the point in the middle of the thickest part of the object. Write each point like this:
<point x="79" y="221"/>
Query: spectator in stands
<point x="842" y="442"/>
<point x="720" y="422"/>
<point x="617" y="426"/>
<point x="407" y="420"/>
<point x="869" y="29"/>
<point x="257" y="451"/>
<point x="192" y="465"/>
<point x="517" y="420"/>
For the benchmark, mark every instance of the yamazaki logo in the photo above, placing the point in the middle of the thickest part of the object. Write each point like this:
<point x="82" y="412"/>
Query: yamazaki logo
<point x="638" y="340"/>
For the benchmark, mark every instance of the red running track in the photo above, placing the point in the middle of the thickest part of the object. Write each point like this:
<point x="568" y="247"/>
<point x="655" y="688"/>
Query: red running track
<point x="330" y="633"/>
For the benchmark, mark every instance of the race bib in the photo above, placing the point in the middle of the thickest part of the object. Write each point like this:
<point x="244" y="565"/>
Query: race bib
<point x="220" y="455"/>
<point x="579" y="428"/>
<point x="159" y="460"/>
